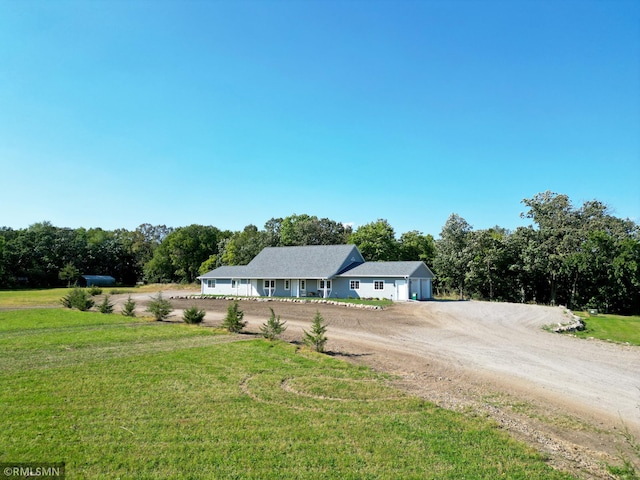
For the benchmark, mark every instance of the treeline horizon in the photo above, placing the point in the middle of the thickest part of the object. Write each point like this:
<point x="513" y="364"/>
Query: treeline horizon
<point x="581" y="257"/>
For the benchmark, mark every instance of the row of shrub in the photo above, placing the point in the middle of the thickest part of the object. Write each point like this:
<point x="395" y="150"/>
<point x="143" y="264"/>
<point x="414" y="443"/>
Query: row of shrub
<point x="80" y="299"/>
<point x="160" y="308"/>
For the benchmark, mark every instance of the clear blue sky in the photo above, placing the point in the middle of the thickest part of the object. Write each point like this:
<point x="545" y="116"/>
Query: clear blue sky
<point x="116" y="113"/>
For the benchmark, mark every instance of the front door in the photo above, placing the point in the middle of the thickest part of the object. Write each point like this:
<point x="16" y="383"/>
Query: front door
<point x="269" y="287"/>
<point x="401" y="290"/>
<point x="303" y="288"/>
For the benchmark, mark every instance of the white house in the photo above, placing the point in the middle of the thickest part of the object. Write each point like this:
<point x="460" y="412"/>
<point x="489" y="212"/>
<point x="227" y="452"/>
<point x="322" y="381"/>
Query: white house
<point x="325" y="271"/>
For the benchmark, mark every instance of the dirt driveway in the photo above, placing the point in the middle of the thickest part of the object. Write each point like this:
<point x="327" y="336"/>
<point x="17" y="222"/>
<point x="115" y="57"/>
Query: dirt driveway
<point x="569" y="397"/>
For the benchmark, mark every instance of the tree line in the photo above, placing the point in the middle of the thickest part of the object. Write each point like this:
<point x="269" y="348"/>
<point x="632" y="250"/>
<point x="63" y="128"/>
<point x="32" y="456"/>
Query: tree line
<point x="579" y="257"/>
<point x="576" y="256"/>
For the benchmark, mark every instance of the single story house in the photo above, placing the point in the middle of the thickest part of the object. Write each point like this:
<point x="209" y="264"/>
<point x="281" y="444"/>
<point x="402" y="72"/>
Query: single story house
<point x="325" y="271"/>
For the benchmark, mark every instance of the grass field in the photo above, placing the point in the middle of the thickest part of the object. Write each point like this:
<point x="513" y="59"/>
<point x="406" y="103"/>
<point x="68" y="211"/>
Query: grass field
<point x="50" y="297"/>
<point x="116" y="397"/>
<point x="31" y="298"/>
<point x="46" y="297"/>
<point x="614" y="328"/>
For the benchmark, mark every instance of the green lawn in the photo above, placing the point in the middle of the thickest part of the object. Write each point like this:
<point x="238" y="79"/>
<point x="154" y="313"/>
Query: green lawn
<point x="116" y="397"/>
<point x="31" y="298"/>
<point x="46" y="297"/>
<point x="615" y="328"/>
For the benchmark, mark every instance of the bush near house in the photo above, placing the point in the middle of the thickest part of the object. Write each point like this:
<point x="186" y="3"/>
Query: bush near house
<point x="233" y="322"/>
<point x="77" y="298"/>
<point x="129" y="308"/>
<point x="316" y="339"/>
<point x="274" y="327"/>
<point x="106" y="306"/>
<point x="193" y="315"/>
<point x="160" y="307"/>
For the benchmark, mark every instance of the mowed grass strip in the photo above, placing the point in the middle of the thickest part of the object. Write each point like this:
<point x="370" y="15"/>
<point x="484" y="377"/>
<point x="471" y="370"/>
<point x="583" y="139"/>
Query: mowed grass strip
<point x="50" y="297"/>
<point x="32" y="297"/>
<point x="251" y="409"/>
<point x="35" y="338"/>
<point x="614" y="328"/>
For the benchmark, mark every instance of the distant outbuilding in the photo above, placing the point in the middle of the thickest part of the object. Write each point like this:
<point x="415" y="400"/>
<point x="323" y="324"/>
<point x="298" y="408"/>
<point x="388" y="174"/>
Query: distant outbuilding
<point x="96" y="281"/>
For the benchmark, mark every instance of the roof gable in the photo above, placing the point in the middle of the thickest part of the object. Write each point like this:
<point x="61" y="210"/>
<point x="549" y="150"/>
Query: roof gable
<point x="390" y="269"/>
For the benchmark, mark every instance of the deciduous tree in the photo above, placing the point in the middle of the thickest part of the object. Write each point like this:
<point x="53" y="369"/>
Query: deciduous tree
<point x="453" y="254"/>
<point x="414" y="245"/>
<point x="376" y="241"/>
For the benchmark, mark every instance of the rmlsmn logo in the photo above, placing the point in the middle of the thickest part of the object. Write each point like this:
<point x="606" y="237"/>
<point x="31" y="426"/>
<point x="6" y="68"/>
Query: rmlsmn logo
<point x="44" y="471"/>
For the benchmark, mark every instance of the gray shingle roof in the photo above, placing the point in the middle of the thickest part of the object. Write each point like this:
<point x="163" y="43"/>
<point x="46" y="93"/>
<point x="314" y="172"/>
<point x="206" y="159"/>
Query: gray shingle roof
<point x="390" y="269"/>
<point x="226" y="272"/>
<point x="314" y="261"/>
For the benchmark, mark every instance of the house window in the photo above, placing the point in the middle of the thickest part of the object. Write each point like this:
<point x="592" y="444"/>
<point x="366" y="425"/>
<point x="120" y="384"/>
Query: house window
<point x="378" y="285"/>
<point x="234" y="283"/>
<point x="269" y="284"/>
<point x="321" y="284"/>
<point x="303" y="284"/>
<point x="211" y="283"/>
<point x="286" y="285"/>
<point x="354" y="284"/>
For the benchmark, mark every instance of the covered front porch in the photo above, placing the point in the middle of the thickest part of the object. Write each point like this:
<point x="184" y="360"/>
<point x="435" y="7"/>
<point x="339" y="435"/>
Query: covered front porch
<point x="294" y="287"/>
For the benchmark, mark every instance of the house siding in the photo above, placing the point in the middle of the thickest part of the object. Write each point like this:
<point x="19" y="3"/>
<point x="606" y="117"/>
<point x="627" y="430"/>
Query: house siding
<point x="367" y="288"/>
<point x="243" y="287"/>
<point x="340" y="288"/>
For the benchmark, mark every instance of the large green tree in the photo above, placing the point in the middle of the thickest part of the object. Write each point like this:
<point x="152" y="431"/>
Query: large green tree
<point x="486" y="250"/>
<point x="182" y="252"/>
<point x="311" y="230"/>
<point x="414" y="245"/>
<point x="453" y="254"/>
<point x="376" y="241"/>
<point x="556" y="237"/>
<point x="241" y="247"/>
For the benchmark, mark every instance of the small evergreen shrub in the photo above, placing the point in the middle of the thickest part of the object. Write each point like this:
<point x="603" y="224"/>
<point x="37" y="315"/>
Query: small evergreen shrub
<point x="233" y="321"/>
<point x="77" y="298"/>
<point x="316" y="339"/>
<point x="93" y="290"/>
<point x="274" y="327"/>
<point x="159" y="307"/>
<point x="106" y="306"/>
<point x="66" y="301"/>
<point x="193" y="315"/>
<point x="129" y="308"/>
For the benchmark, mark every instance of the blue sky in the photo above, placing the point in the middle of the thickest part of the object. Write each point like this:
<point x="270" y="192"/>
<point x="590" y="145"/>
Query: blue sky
<point x="228" y="113"/>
